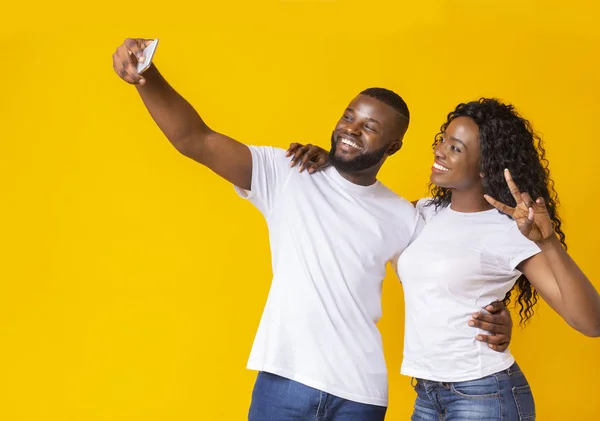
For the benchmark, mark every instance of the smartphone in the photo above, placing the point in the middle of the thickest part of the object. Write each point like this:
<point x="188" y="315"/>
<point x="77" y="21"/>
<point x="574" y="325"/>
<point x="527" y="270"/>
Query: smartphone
<point x="148" y="54"/>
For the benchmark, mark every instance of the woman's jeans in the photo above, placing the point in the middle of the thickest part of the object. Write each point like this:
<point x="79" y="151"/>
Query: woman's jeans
<point x="503" y="396"/>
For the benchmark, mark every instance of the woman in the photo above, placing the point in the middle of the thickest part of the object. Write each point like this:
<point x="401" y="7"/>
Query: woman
<point x="468" y="253"/>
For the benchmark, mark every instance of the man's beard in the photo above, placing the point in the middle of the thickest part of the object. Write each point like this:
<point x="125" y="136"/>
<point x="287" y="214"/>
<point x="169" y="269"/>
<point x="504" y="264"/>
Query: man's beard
<point x="359" y="163"/>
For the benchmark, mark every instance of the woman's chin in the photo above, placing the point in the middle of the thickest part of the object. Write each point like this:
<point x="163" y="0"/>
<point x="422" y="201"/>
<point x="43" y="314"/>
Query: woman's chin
<point x="438" y="180"/>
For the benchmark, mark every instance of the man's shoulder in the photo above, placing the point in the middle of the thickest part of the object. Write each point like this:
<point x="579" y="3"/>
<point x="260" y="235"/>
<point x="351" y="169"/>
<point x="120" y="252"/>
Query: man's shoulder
<point x="270" y="157"/>
<point x="400" y="212"/>
<point x="393" y="198"/>
<point x="274" y="151"/>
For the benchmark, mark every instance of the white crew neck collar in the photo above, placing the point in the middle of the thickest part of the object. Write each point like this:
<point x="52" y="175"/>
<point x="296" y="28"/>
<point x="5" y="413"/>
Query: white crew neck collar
<point x="349" y="185"/>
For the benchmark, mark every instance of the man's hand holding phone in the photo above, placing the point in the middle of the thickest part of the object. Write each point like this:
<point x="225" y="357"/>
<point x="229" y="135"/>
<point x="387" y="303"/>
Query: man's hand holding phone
<point x="133" y="58"/>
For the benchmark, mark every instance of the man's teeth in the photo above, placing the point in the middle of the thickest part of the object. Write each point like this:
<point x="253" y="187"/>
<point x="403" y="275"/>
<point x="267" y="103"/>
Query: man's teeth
<point x="350" y="143"/>
<point x="440" y="167"/>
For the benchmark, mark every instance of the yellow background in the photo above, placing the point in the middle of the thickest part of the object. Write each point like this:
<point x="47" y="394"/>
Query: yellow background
<point x="133" y="279"/>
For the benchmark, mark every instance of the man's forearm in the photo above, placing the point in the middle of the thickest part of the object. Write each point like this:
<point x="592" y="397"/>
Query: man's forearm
<point x="175" y="117"/>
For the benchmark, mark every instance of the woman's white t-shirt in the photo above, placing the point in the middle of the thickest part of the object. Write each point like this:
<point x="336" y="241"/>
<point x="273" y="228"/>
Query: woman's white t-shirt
<point x="460" y="263"/>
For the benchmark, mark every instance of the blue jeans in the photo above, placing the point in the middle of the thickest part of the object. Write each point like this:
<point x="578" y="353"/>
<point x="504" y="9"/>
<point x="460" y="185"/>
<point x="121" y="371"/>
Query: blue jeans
<point x="276" y="398"/>
<point x="503" y="396"/>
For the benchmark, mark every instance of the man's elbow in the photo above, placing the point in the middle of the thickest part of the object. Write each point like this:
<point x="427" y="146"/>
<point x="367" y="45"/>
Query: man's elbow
<point x="189" y="146"/>
<point x="184" y="147"/>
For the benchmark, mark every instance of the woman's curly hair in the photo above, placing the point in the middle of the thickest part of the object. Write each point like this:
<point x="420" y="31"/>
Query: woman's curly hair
<point x="507" y="141"/>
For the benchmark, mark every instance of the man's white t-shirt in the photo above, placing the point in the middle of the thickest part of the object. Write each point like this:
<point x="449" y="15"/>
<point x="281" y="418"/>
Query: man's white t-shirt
<point x="460" y="263"/>
<point x="330" y="242"/>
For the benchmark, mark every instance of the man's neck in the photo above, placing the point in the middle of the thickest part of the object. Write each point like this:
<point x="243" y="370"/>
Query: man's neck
<point x="361" y="178"/>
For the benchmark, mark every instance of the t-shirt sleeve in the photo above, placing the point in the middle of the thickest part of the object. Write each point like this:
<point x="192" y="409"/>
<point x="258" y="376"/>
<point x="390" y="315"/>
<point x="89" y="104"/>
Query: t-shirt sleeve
<point x="270" y="172"/>
<point x="413" y="224"/>
<point x="418" y="223"/>
<point x="516" y="248"/>
<point x="426" y="210"/>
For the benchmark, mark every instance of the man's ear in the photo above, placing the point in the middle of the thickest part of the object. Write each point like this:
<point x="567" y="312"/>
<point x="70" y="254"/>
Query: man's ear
<point x="394" y="147"/>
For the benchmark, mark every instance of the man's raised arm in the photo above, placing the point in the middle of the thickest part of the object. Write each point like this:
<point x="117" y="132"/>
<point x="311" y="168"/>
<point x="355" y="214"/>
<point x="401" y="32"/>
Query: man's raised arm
<point x="180" y="122"/>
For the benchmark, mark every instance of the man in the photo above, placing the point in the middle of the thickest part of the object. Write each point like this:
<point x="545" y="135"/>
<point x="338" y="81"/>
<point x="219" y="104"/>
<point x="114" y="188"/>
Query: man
<point x="318" y="350"/>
